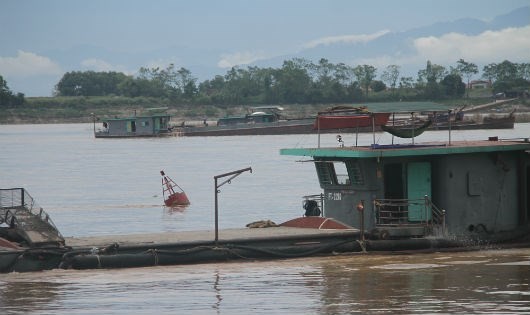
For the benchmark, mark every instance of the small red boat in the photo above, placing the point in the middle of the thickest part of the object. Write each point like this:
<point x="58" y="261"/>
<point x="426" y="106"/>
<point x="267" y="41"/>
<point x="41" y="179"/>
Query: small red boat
<point x="173" y="194"/>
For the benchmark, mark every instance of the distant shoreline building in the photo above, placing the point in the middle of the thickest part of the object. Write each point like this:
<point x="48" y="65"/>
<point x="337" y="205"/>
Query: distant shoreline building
<point x="479" y="84"/>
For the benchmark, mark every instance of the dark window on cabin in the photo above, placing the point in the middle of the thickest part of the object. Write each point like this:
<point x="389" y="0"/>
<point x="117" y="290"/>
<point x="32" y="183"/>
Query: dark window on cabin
<point x="325" y="172"/>
<point x="393" y="181"/>
<point x="356" y="175"/>
<point x="133" y="126"/>
<point x="337" y="173"/>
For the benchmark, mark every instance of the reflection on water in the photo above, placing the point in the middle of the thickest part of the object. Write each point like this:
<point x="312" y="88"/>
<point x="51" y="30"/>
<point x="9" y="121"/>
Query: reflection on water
<point x="28" y="295"/>
<point x="101" y="186"/>
<point x="494" y="281"/>
<point x="460" y="283"/>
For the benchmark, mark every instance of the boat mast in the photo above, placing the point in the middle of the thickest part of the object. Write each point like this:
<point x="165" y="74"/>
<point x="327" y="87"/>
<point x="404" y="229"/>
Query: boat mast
<point x="318" y="129"/>
<point x="412" y="118"/>
<point x="449" y="124"/>
<point x="373" y="129"/>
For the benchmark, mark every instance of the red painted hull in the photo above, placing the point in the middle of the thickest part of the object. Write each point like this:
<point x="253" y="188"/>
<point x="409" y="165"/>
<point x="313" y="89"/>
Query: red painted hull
<point x="177" y="199"/>
<point x="316" y="223"/>
<point x="350" y="121"/>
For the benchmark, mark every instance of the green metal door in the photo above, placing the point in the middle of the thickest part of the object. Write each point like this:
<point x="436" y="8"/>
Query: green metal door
<point x="418" y="185"/>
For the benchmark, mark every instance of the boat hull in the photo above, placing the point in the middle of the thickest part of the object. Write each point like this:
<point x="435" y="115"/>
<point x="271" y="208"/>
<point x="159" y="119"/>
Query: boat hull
<point x="100" y="134"/>
<point x="274" y="128"/>
<point x="301" y="237"/>
<point x="350" y="121"/>
<point x="328" y="124"/>
<point x="488" y="123"/>
<point x="305" y="126"/>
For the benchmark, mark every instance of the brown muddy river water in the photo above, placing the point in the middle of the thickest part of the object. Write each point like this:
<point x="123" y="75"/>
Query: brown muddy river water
<point x="112" y="186"/>
<point x="488" y="281"/>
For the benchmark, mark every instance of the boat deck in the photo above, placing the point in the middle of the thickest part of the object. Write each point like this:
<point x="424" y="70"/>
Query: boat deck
<point x="225" y="235"/>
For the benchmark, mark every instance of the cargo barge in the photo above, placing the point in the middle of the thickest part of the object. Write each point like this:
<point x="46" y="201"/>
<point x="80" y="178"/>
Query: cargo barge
<point x="377" y="198"/>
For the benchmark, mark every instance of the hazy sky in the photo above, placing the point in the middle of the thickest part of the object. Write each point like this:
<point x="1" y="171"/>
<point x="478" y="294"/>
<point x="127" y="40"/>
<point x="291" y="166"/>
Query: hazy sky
<point x="239" y="31"/>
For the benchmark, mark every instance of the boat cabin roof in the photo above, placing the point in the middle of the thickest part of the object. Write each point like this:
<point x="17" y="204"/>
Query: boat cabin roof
<point x="267" y="108"/>
<point x="400" y="150"/>
<point x="136" y="117"/>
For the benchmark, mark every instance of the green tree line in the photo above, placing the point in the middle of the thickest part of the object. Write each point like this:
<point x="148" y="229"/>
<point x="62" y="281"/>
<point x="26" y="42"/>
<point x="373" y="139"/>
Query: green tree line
<point x="297" y="81"/>
<point x="7" y="97"/>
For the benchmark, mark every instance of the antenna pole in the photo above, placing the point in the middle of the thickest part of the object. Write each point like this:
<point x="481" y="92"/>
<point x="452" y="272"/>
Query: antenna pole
<point x="373" y="128"/>
<point x="449" y="125"/>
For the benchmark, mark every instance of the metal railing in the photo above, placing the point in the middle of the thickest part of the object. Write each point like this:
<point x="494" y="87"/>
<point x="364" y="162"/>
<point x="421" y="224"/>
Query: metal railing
<point x="14" y="199"/>
<point x="395" y="212"/>
<point x="438" y="215"/>
<point x="392" y="211"/>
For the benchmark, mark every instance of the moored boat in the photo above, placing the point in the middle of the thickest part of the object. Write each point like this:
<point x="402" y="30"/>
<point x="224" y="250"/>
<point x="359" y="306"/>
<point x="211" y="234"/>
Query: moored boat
<point x="29" y="240"/>
<point x="148" y="125"/>
<point x="396" y="197"/>
<point x="457" y="121"/>
<point x="337" y="119"/>
<point x="440" y="192"/>
<point x="263" y="122"/>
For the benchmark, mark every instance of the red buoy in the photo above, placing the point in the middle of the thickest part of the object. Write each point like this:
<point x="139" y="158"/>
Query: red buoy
<point x="173" y="194"/>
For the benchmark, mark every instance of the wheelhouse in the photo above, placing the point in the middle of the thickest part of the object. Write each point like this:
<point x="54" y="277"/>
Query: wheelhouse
<point x="460" y="188"/>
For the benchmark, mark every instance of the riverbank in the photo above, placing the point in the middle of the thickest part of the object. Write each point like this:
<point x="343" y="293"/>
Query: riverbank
<point x="84" y="109"/>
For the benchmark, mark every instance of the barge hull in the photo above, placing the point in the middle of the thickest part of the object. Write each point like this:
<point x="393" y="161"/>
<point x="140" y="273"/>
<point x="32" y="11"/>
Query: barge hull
<point x="195" y="247"/>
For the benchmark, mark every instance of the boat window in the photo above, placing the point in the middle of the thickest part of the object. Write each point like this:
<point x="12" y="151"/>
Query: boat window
<point x="332" y="173"/>
<point x="324" y="172"/>
<point x="341" y="173"/>
<point x="355" y="172"/>
<point x="145" y="123"/>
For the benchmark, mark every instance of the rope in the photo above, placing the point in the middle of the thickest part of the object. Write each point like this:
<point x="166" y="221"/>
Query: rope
<point x="231" y="249"/>
<point x="286" y="255"/>
<point x="154" y="252"/>
<point x="363" y="245"/>
<point x="183" y="251"/>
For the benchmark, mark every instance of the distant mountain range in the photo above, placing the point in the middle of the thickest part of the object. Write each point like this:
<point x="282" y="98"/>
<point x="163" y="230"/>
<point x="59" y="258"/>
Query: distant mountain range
<point x="398" y="43"/>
